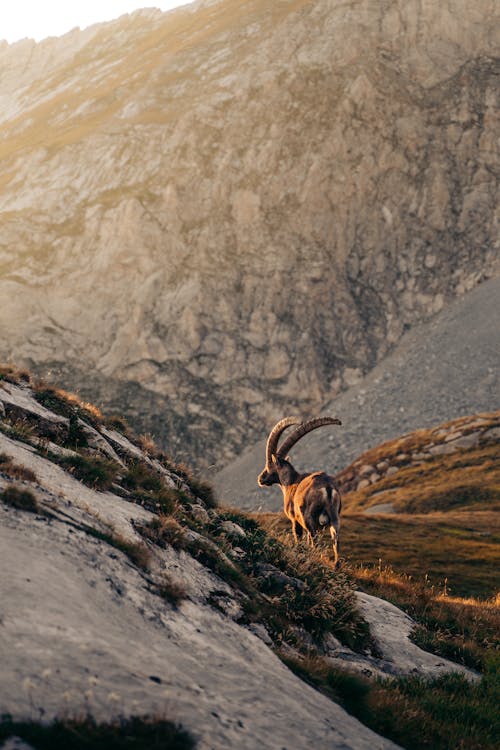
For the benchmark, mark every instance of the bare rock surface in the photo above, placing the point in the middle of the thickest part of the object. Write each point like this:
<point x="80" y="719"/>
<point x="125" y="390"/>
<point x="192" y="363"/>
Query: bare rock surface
<point x="217" y="215"/>
<point x="81" y="631"/>
<point x="85" y="629"/>
<point x="440" y="370"/>
<point x="390" y="629"/>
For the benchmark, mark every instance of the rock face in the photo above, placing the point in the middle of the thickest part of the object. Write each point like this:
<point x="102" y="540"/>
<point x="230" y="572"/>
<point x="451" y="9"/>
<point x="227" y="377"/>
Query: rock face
<point x="244" y="222"/>
<point x="87" y="628"/>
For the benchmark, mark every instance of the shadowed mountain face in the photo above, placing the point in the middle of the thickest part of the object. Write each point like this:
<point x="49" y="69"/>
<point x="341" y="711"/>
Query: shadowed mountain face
<point x="234" y="210"/>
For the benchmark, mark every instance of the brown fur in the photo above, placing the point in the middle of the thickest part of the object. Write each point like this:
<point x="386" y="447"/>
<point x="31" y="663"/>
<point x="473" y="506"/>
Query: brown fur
<point x="307" y="498"/>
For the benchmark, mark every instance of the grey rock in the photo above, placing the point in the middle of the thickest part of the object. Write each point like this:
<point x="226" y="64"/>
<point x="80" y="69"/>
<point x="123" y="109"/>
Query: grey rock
<point x="260" y="631"/>
<point x="492" y="435"/>
<point x="277" y="577"/>
<point x="144" y="241"/>
<point x="467" y="441"/>
<point x="380" y="508"/>
<point x="199" y="512"/>
<point x="453" y="436"/>
<point x="363" y="484"/>
<point x="233" y="529"/>
<point x="442" y="449"/>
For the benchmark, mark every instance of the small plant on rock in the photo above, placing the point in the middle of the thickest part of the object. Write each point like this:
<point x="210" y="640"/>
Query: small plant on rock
<point x="19" y="498"/>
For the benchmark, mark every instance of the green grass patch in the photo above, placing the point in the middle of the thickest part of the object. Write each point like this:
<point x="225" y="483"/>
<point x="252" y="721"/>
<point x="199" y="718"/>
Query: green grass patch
<point x="135" y="733"/>
<point x="93" y="471"/>
<point x="140" y="476"/>
<point x="201" y="489"/>
<point x="447" y="713"/>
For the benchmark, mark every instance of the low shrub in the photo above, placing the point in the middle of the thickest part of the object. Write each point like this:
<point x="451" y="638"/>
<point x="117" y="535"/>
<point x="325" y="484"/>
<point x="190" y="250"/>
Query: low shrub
<point x="135" y="733"/>
<point x="66" y="404"/>
<point x="171" y="591"/>
<point x="19" y="498"/>
<point x="14" y="375"/>
<point x="141" y="476"/>
<point x="93" y="471"/>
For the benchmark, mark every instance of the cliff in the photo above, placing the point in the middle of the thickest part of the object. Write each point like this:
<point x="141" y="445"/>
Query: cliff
<point x="231" y="211"/>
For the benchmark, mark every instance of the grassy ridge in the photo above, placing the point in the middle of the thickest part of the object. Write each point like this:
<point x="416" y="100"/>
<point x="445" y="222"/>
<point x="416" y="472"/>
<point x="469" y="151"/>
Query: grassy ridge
<point x="446" y="552"/>
<point x="439" y="561"/>
<point x="448" y="713"/>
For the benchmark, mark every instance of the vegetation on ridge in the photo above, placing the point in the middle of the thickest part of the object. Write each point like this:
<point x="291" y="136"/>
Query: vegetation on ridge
<point x="415" y="561"/>
<point x="134" y="733"/>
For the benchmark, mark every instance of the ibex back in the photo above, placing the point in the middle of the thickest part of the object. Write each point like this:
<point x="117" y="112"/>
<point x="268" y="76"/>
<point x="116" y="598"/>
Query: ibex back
<point x="312" y="500"/>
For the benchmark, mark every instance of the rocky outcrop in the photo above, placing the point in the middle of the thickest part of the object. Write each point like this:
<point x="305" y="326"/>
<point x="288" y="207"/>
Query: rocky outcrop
<point x="415" y="449"/>
<point x="246" y="222"/>
<point x="100" y="619"/>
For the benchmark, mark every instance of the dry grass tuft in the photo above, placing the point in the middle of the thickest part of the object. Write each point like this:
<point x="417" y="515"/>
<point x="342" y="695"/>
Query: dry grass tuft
<point x="66" y="404"/>
<point x="171" y="591"/>
<point x="20" y="499"/>
<point x="14" y="375"/>
<point x="137" y="552"/>
<point x="15" y="471"/>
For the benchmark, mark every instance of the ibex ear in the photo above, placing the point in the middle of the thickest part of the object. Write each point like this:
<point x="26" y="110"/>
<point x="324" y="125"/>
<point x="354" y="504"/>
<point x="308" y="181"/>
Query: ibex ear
<point x="273" y="458"/>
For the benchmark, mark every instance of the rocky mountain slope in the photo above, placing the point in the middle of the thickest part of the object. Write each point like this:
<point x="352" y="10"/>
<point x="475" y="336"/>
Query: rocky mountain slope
<point x="231" y="211"/>
<point x="441" y="369"/>
<point x="125" y="591"/>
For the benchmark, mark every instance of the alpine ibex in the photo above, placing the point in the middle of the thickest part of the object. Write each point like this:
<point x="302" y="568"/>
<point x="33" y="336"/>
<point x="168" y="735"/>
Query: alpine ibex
<point x="311" y="501"/>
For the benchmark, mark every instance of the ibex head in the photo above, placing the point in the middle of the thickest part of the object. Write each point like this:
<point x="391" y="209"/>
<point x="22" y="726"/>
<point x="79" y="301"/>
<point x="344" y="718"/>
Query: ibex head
<point x="269" y="474"/>
<point x="276" y="457"/>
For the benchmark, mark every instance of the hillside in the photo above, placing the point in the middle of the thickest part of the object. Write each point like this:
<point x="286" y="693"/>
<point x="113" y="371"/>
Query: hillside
<point x="127" y="592"/>
<point x="245" y="223"/>
<point x="432" y="496"/>
<point x="440" y="370"/>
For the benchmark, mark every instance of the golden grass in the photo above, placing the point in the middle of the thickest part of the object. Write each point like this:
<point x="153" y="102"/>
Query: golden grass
<point x="463" y="559"/>
<point x="464" y="478"/>
<point x="65" y="403"/>
<point x="419" y="548"/>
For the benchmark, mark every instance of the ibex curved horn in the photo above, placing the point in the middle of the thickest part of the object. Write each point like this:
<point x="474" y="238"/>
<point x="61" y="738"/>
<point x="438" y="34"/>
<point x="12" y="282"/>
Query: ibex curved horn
<point x="274" y="436"/>
<point x="302" y="430"/>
